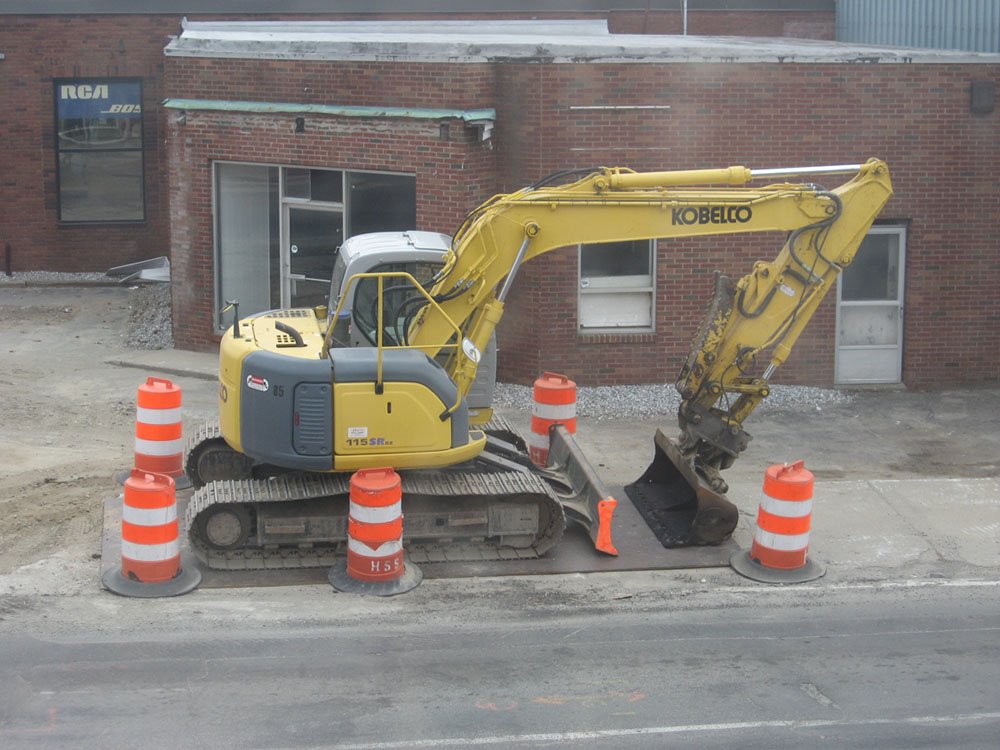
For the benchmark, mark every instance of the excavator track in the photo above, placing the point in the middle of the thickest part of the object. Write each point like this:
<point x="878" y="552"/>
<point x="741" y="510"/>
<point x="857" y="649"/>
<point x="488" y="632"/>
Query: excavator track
<point x="299" y="520"/>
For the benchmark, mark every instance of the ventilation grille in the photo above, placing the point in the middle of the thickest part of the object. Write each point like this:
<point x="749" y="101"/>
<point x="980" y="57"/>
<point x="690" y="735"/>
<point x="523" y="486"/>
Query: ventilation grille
<point x="313" y="424"/>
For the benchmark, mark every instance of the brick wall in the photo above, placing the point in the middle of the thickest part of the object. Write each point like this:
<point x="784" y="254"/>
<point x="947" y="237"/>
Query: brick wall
<point x="452" y="176"/>
<point x="37" y="50"/>
<point x="916" y="117"/>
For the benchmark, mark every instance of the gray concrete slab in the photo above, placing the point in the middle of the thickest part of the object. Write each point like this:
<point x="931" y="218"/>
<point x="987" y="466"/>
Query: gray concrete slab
<point x="898" y="523"/>
<point x="638" y="550"/>
<point x="857" y="526"/>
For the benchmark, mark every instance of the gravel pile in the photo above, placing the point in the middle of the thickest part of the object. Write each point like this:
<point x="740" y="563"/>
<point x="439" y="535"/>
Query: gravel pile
<point x="50" y="277"/>
<point x="637" y="401"/>
<point x="149" y="324"/>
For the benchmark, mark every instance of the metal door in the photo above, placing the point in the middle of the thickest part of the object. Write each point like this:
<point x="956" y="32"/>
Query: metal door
<point x="870" y="310"/>
<point x="312" y="236"/>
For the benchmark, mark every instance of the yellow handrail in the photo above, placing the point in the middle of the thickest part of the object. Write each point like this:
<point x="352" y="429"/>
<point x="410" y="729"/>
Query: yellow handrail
<point x="379" y="344"/>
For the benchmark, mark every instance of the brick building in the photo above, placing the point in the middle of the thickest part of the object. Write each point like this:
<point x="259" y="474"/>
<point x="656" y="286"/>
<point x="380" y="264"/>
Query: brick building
<point x="254" y="134"/>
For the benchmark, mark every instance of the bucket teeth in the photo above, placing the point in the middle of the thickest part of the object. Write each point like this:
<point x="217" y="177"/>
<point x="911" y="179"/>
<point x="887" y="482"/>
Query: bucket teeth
<point x="677" y="504"/>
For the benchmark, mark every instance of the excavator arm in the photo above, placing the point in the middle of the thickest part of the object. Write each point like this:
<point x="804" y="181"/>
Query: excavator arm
<point x="757" y="319"/>
<point x="611" y="205"/>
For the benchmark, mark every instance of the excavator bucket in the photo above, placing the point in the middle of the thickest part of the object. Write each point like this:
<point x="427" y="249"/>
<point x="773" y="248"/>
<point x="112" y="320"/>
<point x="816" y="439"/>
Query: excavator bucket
<point x="679" y="506"/>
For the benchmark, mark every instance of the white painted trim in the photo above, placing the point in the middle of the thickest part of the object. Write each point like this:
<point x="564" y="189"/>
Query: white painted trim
<point x="786" y="508"/>
<point x="780" y="542"/>
<point x="151" y="552"/>
<point x="385" y="514"/>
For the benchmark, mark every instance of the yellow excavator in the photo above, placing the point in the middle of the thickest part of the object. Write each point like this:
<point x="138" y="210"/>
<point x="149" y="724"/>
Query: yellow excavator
<point x="301" y="408"/>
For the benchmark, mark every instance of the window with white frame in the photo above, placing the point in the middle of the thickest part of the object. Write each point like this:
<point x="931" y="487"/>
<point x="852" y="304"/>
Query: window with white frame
<point x="616" y="286"/>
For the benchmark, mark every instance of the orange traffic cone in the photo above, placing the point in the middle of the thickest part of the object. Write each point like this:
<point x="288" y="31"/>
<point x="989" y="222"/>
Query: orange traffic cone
<point x="375" y="563"/>
<point x="555" y="403"/>
<point x="779" y="553"/>
<point x="159" y="441"/>
<point x="151" y="552"/>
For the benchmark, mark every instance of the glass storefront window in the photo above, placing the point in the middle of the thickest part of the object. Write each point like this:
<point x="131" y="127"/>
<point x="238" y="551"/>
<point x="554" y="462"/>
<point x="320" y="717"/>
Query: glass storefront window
<point x="99" y="149"/>
<point x="326" y="185"/>
<point x="277" y="249"/>
<point x="247" y="246"/>
<point x="381" y="202"/>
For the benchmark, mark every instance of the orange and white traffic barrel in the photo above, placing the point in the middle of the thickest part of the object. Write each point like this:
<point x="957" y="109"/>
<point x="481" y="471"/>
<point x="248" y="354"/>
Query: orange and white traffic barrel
<point x="151" y="549"/>
<point x="780" y="549"/>
<point x="554" y="403"/>
<point x="159" y="441"/>
<point x="375" y="562"/>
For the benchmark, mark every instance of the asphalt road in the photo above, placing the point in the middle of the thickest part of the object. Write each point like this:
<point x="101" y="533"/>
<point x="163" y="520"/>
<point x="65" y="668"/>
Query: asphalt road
<point x="854" y="666"/>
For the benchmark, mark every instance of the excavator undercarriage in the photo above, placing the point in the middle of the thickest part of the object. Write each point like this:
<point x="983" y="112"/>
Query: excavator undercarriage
<point x="498" y="506"/>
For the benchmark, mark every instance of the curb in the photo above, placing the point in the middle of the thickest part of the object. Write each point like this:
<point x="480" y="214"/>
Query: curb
<point x="177" y="371"/>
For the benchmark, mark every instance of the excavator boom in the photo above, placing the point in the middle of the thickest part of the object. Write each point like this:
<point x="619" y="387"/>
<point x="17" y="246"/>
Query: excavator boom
<point x="759" y="317"/>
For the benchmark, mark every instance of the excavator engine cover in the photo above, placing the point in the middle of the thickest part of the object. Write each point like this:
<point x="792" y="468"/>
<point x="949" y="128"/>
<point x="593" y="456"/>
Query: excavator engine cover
<point x="678" y="505"/>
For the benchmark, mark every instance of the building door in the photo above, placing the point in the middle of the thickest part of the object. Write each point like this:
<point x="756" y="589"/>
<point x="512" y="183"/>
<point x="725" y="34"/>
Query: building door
<point x="870" y="310"/>
<point x="313" y="234"/>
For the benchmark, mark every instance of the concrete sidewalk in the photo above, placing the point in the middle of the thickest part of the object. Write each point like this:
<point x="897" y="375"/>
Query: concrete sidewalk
<point x="178" y="362"/>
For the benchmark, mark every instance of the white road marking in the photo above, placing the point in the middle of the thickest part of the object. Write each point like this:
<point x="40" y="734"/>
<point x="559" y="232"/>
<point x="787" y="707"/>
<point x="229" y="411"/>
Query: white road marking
<point x="601" y="734"/>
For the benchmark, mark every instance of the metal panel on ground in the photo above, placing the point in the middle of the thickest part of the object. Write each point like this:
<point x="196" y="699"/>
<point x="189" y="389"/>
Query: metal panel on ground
<point x="637" y="546"/>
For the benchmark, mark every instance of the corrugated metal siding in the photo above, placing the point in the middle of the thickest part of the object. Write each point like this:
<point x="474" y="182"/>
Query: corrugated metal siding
<point x="972" y="25"/>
